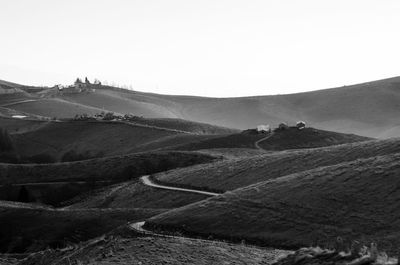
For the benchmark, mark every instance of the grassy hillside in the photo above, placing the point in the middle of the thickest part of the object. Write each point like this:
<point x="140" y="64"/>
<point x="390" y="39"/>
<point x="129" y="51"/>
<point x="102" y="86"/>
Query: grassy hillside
<point x="240" y="172"/>
<point x="356" y="200"/>
<point x="94" y="138"/>
<point x="293" y="138"/>
<point x="116" y="168"/>
<point x="30" y="230"/>
<point x="20" y="125"/>
<point x="134" y="194"/>
<point x="54" y="108"/>
<point x="237" y="140"/>
<point x="187" y="126"/>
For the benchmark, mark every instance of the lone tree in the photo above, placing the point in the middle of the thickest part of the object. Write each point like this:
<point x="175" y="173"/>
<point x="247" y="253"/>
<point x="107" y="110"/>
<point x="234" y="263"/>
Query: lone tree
<point x="87" y="82"/>
<point x="5" y="141"/>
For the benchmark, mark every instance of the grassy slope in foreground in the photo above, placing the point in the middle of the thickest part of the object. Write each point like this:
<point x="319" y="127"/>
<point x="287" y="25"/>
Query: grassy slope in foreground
<point x="126" y="247"/>
<point x="355" y="200"/>
<point x="29" y="230"/>
<point x="240" y="172"/>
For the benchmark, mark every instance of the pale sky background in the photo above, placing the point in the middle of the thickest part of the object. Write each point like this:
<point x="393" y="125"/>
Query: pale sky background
<point x="203" y="47"/>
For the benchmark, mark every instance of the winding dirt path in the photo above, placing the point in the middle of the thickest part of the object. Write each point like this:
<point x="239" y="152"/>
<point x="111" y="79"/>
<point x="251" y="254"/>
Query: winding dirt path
<point x="257" y="143"/>
<point x="147" y="181"/>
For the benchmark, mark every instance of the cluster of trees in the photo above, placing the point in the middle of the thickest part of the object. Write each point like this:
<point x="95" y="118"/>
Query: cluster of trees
<point x="87" y="82"/>
<point x="107" y="116"/>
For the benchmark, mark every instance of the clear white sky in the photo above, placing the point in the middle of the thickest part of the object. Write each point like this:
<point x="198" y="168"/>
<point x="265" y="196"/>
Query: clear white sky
<point x="203" y="47"/>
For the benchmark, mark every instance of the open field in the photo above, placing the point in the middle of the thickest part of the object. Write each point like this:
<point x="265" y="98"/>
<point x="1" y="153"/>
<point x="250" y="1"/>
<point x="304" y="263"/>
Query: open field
<point x="355" y="200"/>
<point x="240" y="172"/>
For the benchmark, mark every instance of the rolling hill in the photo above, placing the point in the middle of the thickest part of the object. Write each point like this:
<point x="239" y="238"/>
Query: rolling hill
<point x="368" y="109"/>
<point x="113" y="169"/>
<point x="291" y="138"/>
<point x="97" y="138"/>
<point x="356" y="200"/>
<point x="235" y="173"/>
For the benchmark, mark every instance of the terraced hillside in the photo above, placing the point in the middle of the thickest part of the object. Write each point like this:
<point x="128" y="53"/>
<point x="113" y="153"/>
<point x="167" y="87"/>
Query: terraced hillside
<point x="356" y="200"/>
<point x="240" y="172"/>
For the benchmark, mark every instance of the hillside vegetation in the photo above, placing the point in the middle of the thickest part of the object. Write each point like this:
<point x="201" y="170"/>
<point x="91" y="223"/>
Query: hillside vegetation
<point x="355" y="200"/>
<point x="240" y="172"/>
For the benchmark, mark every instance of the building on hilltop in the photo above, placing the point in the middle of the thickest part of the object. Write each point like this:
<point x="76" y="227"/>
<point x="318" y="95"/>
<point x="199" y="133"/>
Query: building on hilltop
<point x="263" y="128"/>
<point x="301" y="125"/>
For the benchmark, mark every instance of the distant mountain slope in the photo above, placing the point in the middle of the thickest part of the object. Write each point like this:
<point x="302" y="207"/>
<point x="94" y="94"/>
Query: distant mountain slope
<point x="368" y="109"/>
<point x="356" y="200"/>
<point x="236" y="173"/>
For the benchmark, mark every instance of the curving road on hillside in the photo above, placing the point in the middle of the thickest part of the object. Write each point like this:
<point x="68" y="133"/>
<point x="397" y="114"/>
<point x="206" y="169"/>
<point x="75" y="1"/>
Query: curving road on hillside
<point x="148" y="182"/>
<point x="138" y="226"/>
<point x="257" y="143"/>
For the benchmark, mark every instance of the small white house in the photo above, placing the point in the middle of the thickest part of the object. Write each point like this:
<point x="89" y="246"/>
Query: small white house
<point x="301" y="125"/>
<point x="263" y="128"/>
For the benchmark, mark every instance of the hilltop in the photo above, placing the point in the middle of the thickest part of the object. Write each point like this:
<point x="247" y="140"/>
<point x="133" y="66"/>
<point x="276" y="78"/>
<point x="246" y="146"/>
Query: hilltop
<point x="293" y="138"/>
<point x="290" y="138"/>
